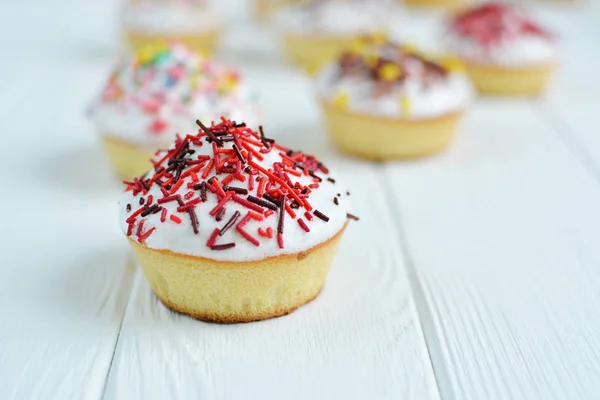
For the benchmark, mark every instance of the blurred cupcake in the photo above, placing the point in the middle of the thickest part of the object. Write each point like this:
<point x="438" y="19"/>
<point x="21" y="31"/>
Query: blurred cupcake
<point x="385" y="101"/>
<point x="504" y="51"/>
<point x="191" y="22"/>
<point x="158" y="93"/>
<point x="316" y="31"/>
<point x="231" y="227"/>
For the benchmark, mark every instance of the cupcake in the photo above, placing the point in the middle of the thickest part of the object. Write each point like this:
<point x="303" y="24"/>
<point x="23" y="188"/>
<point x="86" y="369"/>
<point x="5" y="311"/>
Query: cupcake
<point x="230" y="226"/>
<point x="191" y="22"/>
<point x="155" y="94"/>
<point x="316" y="31"/>
<point x="385" y="101"/>
<point x="504" y="51"/>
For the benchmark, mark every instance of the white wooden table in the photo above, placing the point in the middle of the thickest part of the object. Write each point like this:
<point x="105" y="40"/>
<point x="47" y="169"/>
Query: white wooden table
<point x="472" y="275"/>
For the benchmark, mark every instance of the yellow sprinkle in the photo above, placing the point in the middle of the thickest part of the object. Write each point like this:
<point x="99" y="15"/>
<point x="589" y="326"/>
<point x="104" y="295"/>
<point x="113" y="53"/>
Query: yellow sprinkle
<point x="371" y="59"/>
<point x="390" y="72"/>
<point x="341" y="100"/>
<point x="379" y="38"/>
<point x="357" y="46"/>
<point x="312" y="67"/>
<point x="151" y="51"/>
<point x="405" y="105"/>
<point x="194" y="81"/>
<point x="408" y="48"/>
<point x="452" y="64"/>
<point x="229" y="83"/>
<point x="146" y="54"/>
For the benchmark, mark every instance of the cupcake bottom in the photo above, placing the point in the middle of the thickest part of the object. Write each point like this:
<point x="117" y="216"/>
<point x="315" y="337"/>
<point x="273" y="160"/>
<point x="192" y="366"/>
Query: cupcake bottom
<point x="127" y="159"/>
<point x="441" y="4"/>
<point x="264" y="8"/>
<point x="232" y="292"/>
<point x="501" y="81"/>
<point x="312" y="52"/>
<point x="380" y="138"/>
<point x="202" y="42"/>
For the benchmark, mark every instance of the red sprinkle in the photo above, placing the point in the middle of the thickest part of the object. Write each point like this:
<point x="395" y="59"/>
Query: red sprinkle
<point x="244" y="221"/>
<point x="255" y="216"/>
<point x="208" y="168"/>
<point x="176" y="187"/>
<point x="145" y="236"/>
<point x="247" y="236"/>
<point x="220" y="204"/>
<point x="247" y="204"/>
<point x="303" y="225"/>
<point x="215" y="182"/>
<point x="261" y="187"/>
<point x="140" y="227"/>
<point x="213" y="238"/>
<point x="175" y="218"/>
<point x="163" y="215"/>
<point x="130" y="228"/>
<point x="134" y="215"/>
<point x="263" y="233"/>
<point x="227" y="180"/>
<point x="289" y="210"/>
<point x="240" y="177"/>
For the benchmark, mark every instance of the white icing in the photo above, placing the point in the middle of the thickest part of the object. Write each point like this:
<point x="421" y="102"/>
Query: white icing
<point x="438" y="98"/>
<point x="126" y="119"/>
<point x="521" y="51"/>
<point x="180" y="238"/>
<point x="513" y="47"/>
<point x="169" y="18"/>
<point x="130" y="123"/>
<point x="336" y="17"/>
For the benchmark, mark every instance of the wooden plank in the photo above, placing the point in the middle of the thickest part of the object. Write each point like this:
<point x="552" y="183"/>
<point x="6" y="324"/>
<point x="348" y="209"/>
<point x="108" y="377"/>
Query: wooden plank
<point x="65" y="285"/>
<point x="501" y="233"/>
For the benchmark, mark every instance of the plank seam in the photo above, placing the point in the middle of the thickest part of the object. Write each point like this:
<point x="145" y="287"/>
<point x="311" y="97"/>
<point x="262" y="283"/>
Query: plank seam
<point x="424" y="314"/>
<point x="132" y="290"/>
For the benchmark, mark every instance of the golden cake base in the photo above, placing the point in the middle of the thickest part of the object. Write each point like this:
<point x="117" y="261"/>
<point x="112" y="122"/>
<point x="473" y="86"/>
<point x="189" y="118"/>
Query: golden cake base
<point x="451" y="5"/>
<point x="204" y="43"/>
<point x="263" y="9"/>
<point x="312" y="52"/>
<point x="498" y="81"/>
<point x="232" y="292"/>
<point x="380" y="138"/>
<point x="127" y="159"/>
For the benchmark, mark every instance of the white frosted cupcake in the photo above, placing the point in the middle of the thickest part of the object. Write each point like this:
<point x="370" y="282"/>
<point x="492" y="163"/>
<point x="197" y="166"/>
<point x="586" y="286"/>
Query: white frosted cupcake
<point x="158" y="93"/>
<point x="191" y="22"/>
<point x="231" y="227"/>
<point x="504" y="51"/>
<point x="386" y="101"/>
<point x="316" y="31"/>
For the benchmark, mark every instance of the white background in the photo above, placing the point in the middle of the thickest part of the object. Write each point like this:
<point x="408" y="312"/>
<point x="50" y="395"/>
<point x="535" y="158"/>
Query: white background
<point x="471" y="275"/>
